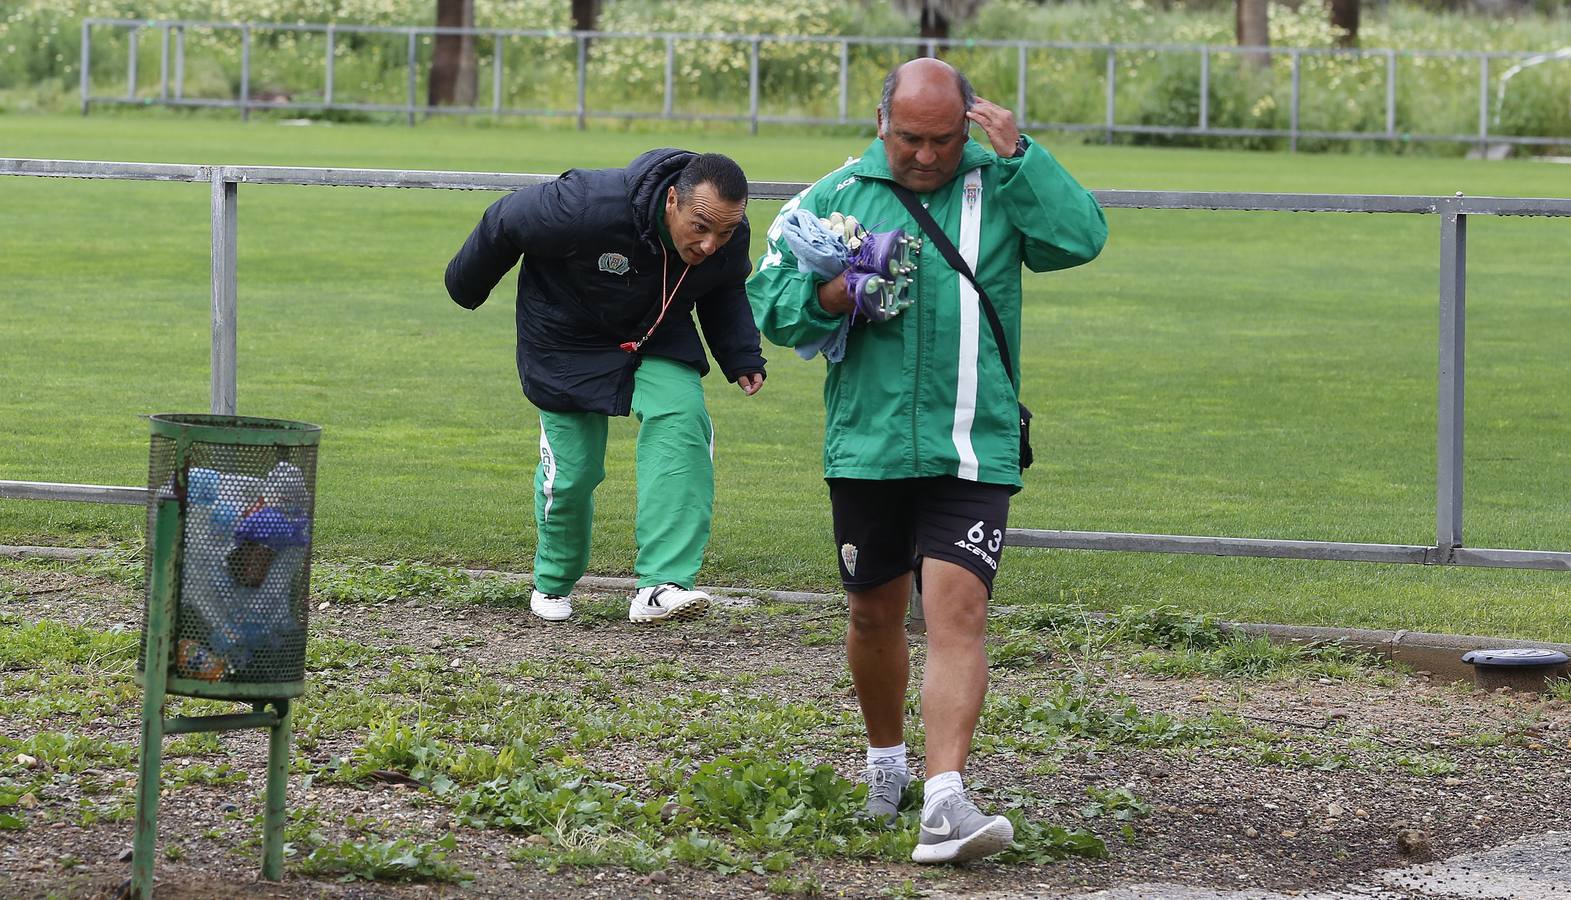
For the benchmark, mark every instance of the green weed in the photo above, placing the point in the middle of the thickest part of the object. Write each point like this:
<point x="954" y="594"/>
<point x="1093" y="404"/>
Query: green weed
<point x="55" y="646"/>
<point x="64" y="753"/>
<point x="1062" y="713"/>
<point x="400" y="859"/>
<point x="805" y="886"/>
<point x="1427" y="765"/>
<point x="1120" y="803"/>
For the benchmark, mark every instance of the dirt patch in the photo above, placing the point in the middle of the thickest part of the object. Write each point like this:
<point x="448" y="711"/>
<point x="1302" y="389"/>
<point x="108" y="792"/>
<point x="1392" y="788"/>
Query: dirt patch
<point x="1298" y="782"/>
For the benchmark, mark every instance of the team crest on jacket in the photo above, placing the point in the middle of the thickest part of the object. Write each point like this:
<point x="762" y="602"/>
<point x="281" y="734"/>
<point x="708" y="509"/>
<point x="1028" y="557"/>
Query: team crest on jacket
<point x="848" y="556"/>
<point x="973" y="193"/>
<point x="615" y="263"/>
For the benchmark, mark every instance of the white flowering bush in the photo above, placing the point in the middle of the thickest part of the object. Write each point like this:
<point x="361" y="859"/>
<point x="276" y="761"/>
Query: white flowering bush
<point x="1342" y="92"/>
<point x="40" y="40"/>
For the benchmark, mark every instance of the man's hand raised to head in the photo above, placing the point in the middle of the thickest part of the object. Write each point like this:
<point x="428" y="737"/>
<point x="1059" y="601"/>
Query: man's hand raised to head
<point x="999" y="123"/>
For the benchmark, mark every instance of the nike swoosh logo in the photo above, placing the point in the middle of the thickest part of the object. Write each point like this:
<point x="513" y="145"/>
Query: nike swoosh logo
<point x="939" y="832"/>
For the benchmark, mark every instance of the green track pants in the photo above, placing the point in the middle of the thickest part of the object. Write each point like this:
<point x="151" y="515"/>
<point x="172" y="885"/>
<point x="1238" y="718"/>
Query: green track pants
<point x="676" y="482"/>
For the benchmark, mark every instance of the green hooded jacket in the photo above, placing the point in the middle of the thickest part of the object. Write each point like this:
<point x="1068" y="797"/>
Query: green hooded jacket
<point x="925" y="394"/>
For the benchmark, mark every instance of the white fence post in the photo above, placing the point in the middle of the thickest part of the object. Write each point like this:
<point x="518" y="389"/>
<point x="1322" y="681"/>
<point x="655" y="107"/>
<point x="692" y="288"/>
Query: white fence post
<point x="331" y="64"/>
<point x="131" y="61"/>
<point x="752" y="85"/>
<point x="245" y="73"/>
<point x="1453" y="344"/>
<point x="225" y="290"/>
<point x="86" y="63"/>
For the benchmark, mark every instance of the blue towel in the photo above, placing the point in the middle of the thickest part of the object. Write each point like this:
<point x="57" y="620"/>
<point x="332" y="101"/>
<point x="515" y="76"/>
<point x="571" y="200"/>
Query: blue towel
<point x="819" y="252"/>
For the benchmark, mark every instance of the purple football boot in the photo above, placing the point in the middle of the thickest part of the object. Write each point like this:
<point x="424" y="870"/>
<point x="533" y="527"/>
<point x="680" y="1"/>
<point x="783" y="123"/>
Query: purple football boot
<point x="880" y="274"/>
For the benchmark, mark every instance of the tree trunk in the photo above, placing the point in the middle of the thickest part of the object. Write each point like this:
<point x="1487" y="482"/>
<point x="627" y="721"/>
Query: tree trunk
<point x="934" y="25"/>
<point x="454" y="71"/>
<point x="1344" y="19"/>
<point x="586" y="13"/>
<point x="936" y="17"/>
<point x="1254" y="30"/>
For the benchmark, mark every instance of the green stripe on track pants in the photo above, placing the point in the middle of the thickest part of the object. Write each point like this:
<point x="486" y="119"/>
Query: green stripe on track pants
<point x="676" y="482"/>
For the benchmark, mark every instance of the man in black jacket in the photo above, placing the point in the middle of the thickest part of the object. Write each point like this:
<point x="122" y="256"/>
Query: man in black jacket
<point x="615" y="262"/>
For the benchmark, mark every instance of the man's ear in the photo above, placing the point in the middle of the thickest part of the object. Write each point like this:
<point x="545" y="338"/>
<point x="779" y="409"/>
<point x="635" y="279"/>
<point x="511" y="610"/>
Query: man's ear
<point x="880" y="114"/>
<point x="671" y="198"/>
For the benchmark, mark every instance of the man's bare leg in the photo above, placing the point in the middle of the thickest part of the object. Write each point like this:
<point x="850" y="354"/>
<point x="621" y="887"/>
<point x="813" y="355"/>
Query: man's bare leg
<point x="880" y="658"/>
<point x="954" y="682"/>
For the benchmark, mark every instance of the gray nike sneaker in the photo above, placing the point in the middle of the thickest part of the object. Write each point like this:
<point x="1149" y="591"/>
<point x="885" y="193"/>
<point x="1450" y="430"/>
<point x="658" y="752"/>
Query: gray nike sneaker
<point x="956" y="831"/>
<point x="885" y="787"/>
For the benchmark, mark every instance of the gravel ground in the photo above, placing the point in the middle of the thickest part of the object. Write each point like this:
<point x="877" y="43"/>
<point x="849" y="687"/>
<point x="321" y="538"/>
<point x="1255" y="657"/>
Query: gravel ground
<point x="1353" y="784"/>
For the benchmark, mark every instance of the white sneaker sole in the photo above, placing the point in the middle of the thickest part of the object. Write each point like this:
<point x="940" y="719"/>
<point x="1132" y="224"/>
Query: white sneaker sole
<point x="994" y="837"/>
<point x="551" y="615"/>
<point x="692" y="609"/>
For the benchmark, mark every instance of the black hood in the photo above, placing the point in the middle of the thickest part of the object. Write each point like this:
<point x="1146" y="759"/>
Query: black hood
<point x="648" y="176"/>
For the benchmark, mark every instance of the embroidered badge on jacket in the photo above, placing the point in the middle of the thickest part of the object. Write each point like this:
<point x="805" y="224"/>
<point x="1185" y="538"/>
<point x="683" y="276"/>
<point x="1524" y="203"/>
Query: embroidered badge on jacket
<point x="615" y="263"/>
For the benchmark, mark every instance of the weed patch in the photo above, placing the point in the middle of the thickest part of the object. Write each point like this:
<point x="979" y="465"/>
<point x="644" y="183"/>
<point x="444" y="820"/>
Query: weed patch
<point x="400" y="859"/>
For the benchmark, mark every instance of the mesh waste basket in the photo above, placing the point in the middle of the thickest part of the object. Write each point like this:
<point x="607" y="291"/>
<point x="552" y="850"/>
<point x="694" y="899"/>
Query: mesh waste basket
<point x="240" y="582"/>
<point x="230" y="503"/>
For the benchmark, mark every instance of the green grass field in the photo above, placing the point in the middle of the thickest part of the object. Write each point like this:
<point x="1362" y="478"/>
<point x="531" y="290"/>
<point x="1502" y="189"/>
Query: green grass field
<point x="1244" y="374"/>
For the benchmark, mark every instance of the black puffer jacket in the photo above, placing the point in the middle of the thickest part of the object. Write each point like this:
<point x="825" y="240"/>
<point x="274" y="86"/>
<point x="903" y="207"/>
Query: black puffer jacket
<point x="590" y="281"/>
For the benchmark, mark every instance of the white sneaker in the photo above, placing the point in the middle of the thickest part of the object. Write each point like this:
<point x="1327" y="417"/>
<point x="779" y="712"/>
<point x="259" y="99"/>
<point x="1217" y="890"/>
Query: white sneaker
<point x="885" y="786"/>
<point x="666" y="601"/>
<point x="551" y="607"/>
<point x="955" y="831"/>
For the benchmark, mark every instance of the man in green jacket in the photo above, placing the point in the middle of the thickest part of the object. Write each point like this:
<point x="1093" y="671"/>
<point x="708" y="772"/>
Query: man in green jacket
<point x="921" y="434"/>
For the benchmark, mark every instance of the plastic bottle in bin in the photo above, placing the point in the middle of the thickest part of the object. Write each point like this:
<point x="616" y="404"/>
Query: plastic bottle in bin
<point x="267" y="554"/>
<point x="245" y="544"/>
<point x="206" y="540"/>
<point x="284" y="490"/>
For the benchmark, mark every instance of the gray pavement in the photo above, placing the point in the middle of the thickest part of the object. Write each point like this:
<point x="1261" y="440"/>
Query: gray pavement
<point x="1537" y="867"/>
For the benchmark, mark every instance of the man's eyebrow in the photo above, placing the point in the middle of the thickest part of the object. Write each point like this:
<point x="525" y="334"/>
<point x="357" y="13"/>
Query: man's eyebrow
<point x="946" y="136"/>
<point x="705" y="220"/>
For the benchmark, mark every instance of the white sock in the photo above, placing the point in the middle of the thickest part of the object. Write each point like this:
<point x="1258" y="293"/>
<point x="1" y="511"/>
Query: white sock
<point x="936" y="788"/>
<point x="888" y="757"/>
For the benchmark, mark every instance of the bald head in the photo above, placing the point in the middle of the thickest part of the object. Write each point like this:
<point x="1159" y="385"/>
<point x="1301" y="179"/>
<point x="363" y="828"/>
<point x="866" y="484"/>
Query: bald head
<point x="926" y="76"/>
<point x="922" y="121"/>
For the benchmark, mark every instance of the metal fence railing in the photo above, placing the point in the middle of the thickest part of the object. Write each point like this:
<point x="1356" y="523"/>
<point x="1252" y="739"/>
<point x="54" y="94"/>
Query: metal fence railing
<point x="1382" y="116"/>
<point x="1453" y="213"/>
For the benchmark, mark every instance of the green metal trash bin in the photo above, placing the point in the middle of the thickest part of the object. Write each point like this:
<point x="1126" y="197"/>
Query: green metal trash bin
<point x="246" y="490"/>
<point x="230" y="506"/>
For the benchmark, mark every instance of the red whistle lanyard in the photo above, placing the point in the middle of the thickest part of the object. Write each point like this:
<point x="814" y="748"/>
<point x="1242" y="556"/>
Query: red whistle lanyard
<point x="665" y="301"/>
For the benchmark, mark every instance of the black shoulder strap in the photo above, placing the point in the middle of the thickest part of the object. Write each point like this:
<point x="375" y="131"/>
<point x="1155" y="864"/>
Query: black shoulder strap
<point x="946" y="247"/>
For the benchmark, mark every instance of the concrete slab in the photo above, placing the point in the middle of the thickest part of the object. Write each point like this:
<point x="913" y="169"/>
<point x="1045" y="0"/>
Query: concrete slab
<point x="1537" y="867"/>
<point x="1532" y="868"/>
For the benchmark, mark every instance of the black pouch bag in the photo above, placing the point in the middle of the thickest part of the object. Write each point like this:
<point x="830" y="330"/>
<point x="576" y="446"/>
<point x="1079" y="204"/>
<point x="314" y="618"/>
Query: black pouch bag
<point x="946" y="248"/>
<point x="1026" y="456"/>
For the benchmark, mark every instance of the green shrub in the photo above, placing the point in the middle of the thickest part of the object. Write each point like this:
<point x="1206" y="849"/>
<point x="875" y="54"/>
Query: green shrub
<point x="39" y="53"/>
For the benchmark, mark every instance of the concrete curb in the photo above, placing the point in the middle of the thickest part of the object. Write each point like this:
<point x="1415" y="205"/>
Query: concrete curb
<point x="66" y="553"/>
<point x="1438" y="654"/>
<point x="589" y="582"/>
<point x="598" y="583"/>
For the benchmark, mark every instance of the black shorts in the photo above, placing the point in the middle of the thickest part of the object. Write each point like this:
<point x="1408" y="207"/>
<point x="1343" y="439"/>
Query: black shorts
<point x="883" y="529"/>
